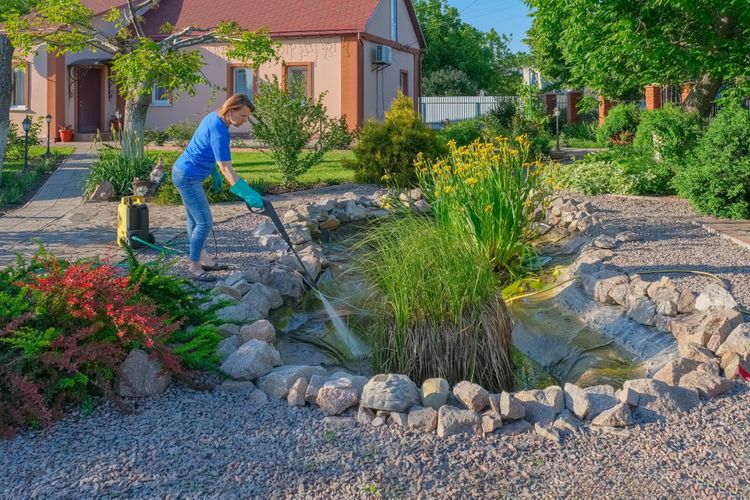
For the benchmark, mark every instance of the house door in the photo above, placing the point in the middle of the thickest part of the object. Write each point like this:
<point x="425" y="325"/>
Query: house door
<point x="89" y="99"/>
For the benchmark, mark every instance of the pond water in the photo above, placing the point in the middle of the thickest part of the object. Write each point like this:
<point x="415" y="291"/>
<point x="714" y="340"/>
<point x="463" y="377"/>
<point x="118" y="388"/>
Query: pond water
<point x="556" y="344"/>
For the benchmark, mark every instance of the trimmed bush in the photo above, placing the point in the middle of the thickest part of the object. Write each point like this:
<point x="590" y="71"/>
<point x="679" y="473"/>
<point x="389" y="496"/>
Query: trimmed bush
<point x="620" y="125"/>
<point x="464" y="132"/>
<point x="385" y="152"/>
<point x="179" y="133"/>
<point x="716" y="177"/>
<point x="667" y="133"/>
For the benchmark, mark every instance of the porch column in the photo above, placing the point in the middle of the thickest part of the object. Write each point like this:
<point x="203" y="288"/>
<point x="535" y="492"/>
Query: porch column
<point x="604" y="106"/>
<point x="653" y="97"/>
<point x="55" y="93"/>
<point x="574" y="97"/>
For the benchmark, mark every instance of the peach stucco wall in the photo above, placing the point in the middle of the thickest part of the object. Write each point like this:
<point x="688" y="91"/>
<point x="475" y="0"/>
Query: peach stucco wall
<point x="37" y="102"/>
<point x="323" y="53"/>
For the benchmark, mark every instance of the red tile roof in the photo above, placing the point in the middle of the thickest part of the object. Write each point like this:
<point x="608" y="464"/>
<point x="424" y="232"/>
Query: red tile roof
<point x="279" y="16"/>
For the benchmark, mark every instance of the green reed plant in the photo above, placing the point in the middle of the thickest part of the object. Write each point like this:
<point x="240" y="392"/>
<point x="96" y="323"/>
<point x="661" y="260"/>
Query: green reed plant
<point x="115" y="165"/>
<point x="441" y="311"/>
<point x="488" y="190"/>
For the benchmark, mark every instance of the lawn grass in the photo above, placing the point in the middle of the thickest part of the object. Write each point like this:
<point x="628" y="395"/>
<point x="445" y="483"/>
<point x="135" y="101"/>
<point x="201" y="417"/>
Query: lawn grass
<point x="17" y="187"/>
<point x="258" y="166"/>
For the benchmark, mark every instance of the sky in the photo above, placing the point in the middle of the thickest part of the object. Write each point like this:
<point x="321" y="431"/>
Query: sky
<point x="506" y="16"/>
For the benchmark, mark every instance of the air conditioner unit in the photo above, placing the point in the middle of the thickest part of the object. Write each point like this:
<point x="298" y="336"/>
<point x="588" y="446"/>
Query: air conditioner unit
<point x="382" y="55"/>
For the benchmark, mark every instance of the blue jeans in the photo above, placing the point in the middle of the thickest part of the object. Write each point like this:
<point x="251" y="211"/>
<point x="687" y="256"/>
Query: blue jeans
<point x="199" y="220"/>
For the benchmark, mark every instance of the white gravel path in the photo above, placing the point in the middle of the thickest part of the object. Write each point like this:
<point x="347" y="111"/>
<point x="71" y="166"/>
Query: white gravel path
<point x="188" y="444"/>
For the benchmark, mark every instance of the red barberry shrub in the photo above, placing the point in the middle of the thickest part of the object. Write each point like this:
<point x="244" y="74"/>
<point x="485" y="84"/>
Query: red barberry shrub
<point x="80" y="322"/>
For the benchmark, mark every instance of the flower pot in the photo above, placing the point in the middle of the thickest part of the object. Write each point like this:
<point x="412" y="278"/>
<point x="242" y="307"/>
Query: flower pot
<point x="66" y="135"/>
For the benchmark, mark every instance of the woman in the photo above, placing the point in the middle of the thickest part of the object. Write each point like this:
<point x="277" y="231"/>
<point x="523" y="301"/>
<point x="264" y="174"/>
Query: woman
<point x="208" y="154"/>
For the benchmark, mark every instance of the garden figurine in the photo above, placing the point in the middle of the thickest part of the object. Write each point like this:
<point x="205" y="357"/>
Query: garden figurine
<point x="208" y="153"/>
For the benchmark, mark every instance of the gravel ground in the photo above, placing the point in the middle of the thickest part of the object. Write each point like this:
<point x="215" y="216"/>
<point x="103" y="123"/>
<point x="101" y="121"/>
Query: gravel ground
<point x="191" y="444"/>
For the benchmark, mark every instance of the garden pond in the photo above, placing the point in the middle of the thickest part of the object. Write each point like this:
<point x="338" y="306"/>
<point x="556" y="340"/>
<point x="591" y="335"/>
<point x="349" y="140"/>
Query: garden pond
<point x="552" y="345"/>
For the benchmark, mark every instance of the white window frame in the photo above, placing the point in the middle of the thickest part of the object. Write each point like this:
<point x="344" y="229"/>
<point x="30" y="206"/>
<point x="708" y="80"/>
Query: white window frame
<point x="159" y="102"/>
<point x="26" y="89"/>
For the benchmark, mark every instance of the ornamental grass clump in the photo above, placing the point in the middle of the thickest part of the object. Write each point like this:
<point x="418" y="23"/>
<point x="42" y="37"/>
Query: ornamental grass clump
<point x="488" y="190"/>
<point x="441" y="313"/>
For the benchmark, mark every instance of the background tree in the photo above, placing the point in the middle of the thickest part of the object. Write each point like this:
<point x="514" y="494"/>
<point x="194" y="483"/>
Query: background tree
<point x="616" y="47"/>
<point x="9" y="8"/>
<point x="138" y="62"/>
<point x="483" y="57"/>
<point x="448" y="81"/>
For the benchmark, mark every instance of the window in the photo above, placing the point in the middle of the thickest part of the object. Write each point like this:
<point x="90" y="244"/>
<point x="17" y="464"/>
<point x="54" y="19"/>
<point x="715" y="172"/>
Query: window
<point x="404" y="84"/>
<point x="243" y="81"/>
<point x="160" y="96"/>
<point x="394" y="20"/>
<point x="299" y="73"/>
<point x="20" y="89"/>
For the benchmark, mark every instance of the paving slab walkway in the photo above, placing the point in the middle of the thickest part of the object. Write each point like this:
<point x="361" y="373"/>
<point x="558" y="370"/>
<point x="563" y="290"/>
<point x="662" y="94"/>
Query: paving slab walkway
<point x="59" y="218"/>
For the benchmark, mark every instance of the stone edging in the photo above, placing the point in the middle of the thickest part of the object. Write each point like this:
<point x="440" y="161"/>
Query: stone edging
<point x="703" y="325"/>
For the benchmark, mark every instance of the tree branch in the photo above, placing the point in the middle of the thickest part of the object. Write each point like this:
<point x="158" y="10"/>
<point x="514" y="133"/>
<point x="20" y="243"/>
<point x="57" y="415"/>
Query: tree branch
<point x="146" y="6"/>
<point x="134" y="20"/>
<point x="167" y="42"/>
<point x="189" y="42"/>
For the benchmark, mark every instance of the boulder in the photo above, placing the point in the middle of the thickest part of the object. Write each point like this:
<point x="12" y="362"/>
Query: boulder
<point x="664" y="289"/>
<point x="296" y="396"/>
<point x="299" y="235"/>
<point x="715" y="296"/>
<point x="240" y="313"/>
<point x="643" y="311"/>
<point x="666" y="308"/>
<point x="547" y="432"/>
<point x="228" y="329"/>
<point x="243" y="387"/>
<point x="576" y="400"/>
<point x="627" y="396"/>
<point x="251" y="360"/>
<point x="490" y="422"/>
<point x="435" y="392"/>
<point x="277" y="382"/>
<point x="227" y="347"/>
<point x="708" y="385"/>
<point x="738" y="341"/>
<point x="617" y="416"/>
<point x="713" y="367"/>
<point x="675" y="369"/>
<point x="627" y="236"/>
<point x="141" y="376"/>
<point x="472" y="396"/>
<point x="390" y="392"/>
<point x="398" y="420"/>
<point x="618" y="294"/>
<point x="686" y="325"/>
<point x="604" y="281"/>
<point x="265" y="228"/>
<point x="686" y="302"/>
<point x="656" y="400"/>
<point x="365" y="416"/>
<point x="452" y="421"/>
<point x="516" y="427"/>
<point x="342" y="379"/>
<point x="272" y="243"/>
<point x="507" y="406"/>
<point x="694" y="351"/>
<point x="663" y="323"/>
<point x="334" y="399"/>
<point x="289" y="283"/>
<point x="730" y="363"/>
<point x="601" y="398"/>
<point x="259" y="330"/>
<point x="606" y="242"/>
<point x="542" y="406"/>
<point x="714" y="328"/>
<point x="103" y="192"/>
<point x="271" y="294"/>
<point x="257" y="274"/>
<point x="567" y="422"/>
<point x="329" y="224"/>
<point x="232" y="291"/>
<point x="423" y="419"/>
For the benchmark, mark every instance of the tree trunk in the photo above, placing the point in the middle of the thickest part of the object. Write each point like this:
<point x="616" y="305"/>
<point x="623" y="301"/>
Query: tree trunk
<point x="6" y="84"/>
<point x="135" y="124"/>
<point x="701" y="97"/>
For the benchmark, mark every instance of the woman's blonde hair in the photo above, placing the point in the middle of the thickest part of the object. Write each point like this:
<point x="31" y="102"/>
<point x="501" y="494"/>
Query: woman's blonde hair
<point x="237" y="101"/>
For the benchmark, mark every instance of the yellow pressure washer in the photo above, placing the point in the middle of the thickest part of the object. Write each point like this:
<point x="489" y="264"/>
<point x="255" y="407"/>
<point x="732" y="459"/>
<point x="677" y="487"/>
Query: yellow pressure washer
<point x="132" y="223"/>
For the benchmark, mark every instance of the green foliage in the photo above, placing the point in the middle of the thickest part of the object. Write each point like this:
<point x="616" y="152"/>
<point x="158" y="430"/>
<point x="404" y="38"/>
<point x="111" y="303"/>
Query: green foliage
<point x="113" y="165"/>
<point x="180" y="133"/>
<point x="716" y="177"/>
<point x="287" y="123"/>
<point x="17" y="140"/>
<point x="386" y="151"/>
<point x="620" y="125"/>
<point x="196" y="347"/>
<point x="483" y="57"/>
<point x="448" y="82"/>
<point x="580" y="135"/>
<point x="503" y="113"/>
<point x="617" y="47"/>
<point x="434" y="283"/>
<point x="154" y="136"/>
<point x="667" y="133"/>
<point x="619" y="172"/>
<point x="464" y="132"/>
<point x="16" y="185"/>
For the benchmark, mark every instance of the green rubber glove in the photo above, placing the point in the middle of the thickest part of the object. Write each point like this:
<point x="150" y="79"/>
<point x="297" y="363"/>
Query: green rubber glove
<point x="248" y="194"/>
<point x="217" y="182"/>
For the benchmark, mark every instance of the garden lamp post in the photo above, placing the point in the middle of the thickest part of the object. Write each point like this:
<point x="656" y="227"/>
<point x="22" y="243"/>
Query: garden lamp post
<point x="26" y="127"/>
<point x="48" y="119"/>
<point x="556" y="112"/>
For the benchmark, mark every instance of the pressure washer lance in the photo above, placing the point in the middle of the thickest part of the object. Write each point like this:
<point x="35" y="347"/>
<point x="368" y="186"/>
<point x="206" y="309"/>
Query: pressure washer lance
<point x="270" y="212"/>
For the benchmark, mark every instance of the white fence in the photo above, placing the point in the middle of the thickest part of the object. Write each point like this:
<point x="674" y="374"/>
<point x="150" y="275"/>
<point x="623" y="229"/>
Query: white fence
<point x="436" y="110"/>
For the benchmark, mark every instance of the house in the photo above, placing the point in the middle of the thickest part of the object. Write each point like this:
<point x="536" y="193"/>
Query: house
<point x="360" y="52"/>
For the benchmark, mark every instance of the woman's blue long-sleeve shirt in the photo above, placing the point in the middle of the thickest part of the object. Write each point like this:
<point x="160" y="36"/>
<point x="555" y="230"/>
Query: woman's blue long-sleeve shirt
<point x="210" y="143"/>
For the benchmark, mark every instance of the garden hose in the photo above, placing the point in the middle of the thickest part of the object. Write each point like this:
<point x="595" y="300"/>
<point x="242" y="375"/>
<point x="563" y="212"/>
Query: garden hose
<point x="162" y="249"/>
<point x="538" y="292"/>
